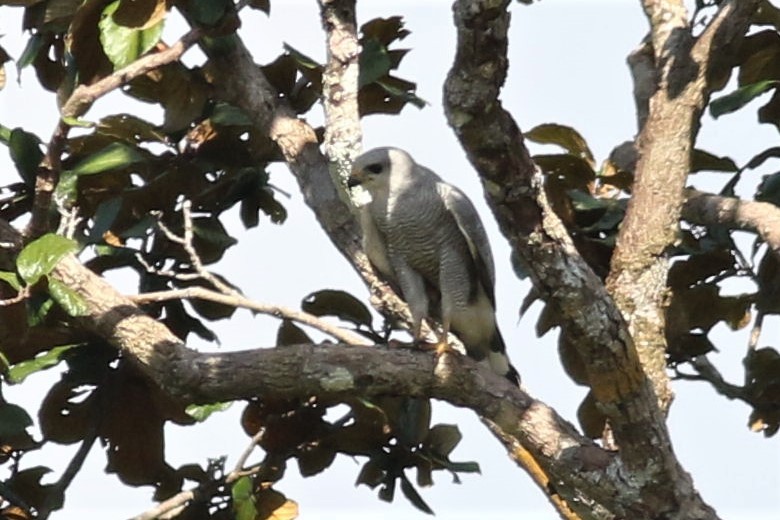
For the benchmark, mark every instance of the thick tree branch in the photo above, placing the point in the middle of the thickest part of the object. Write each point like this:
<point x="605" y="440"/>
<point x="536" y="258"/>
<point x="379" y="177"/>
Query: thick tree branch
<point x="340" y="85"/>
<point x="683" y="65"/>
<point x="578" y="468"/>
<point x="762" y="218"/>
<point x="494" y="145"/>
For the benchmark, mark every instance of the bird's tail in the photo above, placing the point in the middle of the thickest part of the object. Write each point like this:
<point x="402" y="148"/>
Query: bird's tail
<point x="499" y="361"/>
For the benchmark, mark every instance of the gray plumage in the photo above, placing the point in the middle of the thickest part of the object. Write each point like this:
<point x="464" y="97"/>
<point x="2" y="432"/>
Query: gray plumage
<point x="426" y="238"/>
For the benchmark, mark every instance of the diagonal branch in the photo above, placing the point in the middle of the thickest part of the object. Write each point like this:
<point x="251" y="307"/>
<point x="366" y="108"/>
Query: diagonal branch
<point x="513" y="186"/>
<point x="682" y="67"/>
<point x="76" y="106"/>
<point x="243" y="84"/>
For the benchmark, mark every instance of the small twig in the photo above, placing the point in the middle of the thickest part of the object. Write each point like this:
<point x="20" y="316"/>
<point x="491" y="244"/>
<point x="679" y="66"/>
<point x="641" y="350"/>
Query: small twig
<point x="755" y="332"/>
<point x="239" y="470"/>
<point x="23" y="294"/>
<point x="165" y="272"/>
<point x="77" y="105"/>
<point x="174" y="505"/>
<point x="176" y="502"/>
<point x="237" y="300"/>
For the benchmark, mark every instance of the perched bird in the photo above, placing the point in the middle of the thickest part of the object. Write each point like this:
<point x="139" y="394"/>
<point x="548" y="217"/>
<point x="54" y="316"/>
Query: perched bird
<point x="426" y="238"/>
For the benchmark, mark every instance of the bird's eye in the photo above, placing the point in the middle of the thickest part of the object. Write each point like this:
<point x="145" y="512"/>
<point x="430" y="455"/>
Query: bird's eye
<point x="374" y="168"/>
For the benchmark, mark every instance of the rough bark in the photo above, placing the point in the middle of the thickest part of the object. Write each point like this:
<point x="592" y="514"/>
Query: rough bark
<point x="242" y="83"/>
<point x="762" y="218"/>
<point x="682" y="65"/>
<point x="494" y="145"/>
<point x="594" y="480"/>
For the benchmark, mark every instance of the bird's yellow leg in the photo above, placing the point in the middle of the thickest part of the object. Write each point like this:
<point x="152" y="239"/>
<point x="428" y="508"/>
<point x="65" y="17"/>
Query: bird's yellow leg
<point x="442" y="340"/>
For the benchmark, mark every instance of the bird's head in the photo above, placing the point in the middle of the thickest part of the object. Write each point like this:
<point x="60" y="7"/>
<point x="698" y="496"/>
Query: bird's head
<point x="375" y="169"/>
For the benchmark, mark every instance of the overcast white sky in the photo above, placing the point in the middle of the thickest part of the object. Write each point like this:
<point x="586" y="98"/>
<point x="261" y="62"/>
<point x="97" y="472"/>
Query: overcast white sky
<point x="567" y="66"/>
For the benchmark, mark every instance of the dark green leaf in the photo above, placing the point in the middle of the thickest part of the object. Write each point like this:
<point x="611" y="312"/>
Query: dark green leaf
<point x="40" y="256"/>
<point x="301" y="59"/>
<point x="207" y="12"/>
<point x="25" y="150"/>
<point x="463" y="467"/>
<point x="759" y="159"/>
<point x="329" y="302"/>
<point x="564" y="136"/>
<point x="201" y="412"/>
<point x="705" y="161"/>
<point x="413" y="496"/>
<point x="769" y="189"/>
<point x="31" y="50"/>
<point x="262" y="5"/>
<point x="740" y="97"/>
<point x="291" y="334"/>
<point x="104" y="217"/>
<point x="229" y="115"/>
<point x="387" y="491"/>
<point x="443" y="438"/>
<point x="13" y="420"/>
<point x="113" y="156"/>
<point x="374" y="62"/>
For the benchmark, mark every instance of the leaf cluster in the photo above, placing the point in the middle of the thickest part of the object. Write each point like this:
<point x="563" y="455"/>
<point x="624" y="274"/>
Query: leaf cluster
<point x="121" y="181"/>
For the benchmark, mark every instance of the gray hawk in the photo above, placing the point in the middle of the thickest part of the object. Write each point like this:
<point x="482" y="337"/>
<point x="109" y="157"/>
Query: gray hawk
<point x="425" y="237"/>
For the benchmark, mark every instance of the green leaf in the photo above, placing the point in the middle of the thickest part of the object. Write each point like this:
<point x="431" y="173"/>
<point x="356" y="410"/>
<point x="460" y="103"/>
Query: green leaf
<point x="374" y="62"/>
<point x="413" y="496"/>
<point x="301" y="59"/>
<point x="11" y="279"/>
<point x="201" y="412"/>
<point x="463" y="467"/>
<point x="30" y="51"/>
<point x="705" y="161"/>
<point x="21" y="370"/>
<point x="329" y="302"/>
<point x="71" y="301"/>
<point x="13" y="420"/>
<point x="123" y="45"/>
<point x="229" y="115"/>
<point x="40" y="256"/>
<point x="443" y="438"/>
<point x="207" y="12"/>
<point x="243" y="501"/>
<point x="25" y="149"/>
<point x="740" y="97"/>
<point x="564" y="136"/>
<point x="112" y="156"/>
<point x="80" y="123"/>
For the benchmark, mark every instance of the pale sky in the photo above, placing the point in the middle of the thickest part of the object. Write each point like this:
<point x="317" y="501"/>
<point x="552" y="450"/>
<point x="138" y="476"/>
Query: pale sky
<point x="567" y="65"/>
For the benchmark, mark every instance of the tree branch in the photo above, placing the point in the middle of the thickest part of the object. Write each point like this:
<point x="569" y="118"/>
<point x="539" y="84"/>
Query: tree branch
<point x="237" y="300"/>
<point x="683" y="66"/>
<point x="513" y="186"/>
<point x="243" y="84"/>
<point x="340" y="85"/>
<point x="762" y="218"/>
<point x="76" y="106"/>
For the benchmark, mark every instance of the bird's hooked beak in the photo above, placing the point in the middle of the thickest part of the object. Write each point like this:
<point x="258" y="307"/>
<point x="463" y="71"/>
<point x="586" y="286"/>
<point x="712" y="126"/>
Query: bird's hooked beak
<point x="356" y="177"/>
